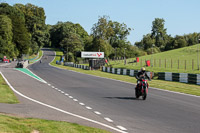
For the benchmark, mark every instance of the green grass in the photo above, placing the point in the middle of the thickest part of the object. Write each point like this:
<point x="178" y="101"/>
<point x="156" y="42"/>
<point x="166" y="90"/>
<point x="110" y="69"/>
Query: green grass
<point x="57" y="57"/>
<point x="166" y="85"/>
<point x="30" y="57"/>
<point x="6" y="94"/>
<point x="36" y="59"/>
<point x="166" y="61"/>
<point x="10" y="124"/>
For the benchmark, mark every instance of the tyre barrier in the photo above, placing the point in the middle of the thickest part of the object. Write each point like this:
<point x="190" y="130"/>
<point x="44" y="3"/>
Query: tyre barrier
<point x="180" y="77"/>
<point x="121" y="71"/>
<point x="71" y="64"/>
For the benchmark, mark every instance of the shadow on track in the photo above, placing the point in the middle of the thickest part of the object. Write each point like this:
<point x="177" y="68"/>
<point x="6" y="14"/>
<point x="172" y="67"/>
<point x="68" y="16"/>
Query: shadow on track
<point x="123" y="98"/>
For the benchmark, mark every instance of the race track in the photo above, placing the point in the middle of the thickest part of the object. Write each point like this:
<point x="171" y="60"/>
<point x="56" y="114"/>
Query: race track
<point x="162" y="112"/>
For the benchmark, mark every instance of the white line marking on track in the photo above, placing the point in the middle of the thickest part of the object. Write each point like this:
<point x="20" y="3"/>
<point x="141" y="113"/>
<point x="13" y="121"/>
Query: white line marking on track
<point x="62" y="92"/>
<point x="96" y="112"/>
<point x="52" y="86"/>
<point x="122" y="128"/>
<point x="82" y="104"/>
<point x="88" y="107"/>
<point x="49" y="84"/>
<point x="108" y="119"/>
<point x="60" y="110"/>
<point x="66" y="94"/>
<point x="70" y="96"/>
<point x="75" y="100"/>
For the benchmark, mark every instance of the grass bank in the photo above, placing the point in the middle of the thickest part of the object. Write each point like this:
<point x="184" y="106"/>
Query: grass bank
<point x="166" y="85"/>
<point x="10" y="124"/>
<point x="182" y="60"/>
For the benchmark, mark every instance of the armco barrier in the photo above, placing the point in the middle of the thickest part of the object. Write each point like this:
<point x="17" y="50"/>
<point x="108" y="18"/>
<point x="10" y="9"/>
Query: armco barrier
<point x="180" y="77"/>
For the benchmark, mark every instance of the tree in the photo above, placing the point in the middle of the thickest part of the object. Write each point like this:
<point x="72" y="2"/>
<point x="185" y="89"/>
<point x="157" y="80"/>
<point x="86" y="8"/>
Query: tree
<point x="61" y="31"/>
<point x="102" y="29"/>
<point x="179" y="42"/>
<point x="159" y="33"/>
<point x="21" y="37"/>
<point x="148" y="41"/>
<point x="101" y="45"/>
<point x="108" y="35"/>
<point x="35" y="23"/>
<point x="121" y="31"/>
<point x="6" y="46"/>
<point x="72" y="43"/>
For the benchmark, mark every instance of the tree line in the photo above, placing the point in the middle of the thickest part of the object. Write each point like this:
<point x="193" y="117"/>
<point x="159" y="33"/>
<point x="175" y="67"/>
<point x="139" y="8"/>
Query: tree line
<point x="106" y="36"/>
<point x="23" y="31"/>
<point x="158" y="40"/>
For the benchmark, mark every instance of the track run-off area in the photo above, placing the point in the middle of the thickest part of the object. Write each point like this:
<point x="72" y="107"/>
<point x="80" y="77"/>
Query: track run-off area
<point x="65" y="95"/>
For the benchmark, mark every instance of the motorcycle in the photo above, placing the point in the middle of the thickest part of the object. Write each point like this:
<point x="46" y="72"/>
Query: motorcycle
<point x="142" y="88"/>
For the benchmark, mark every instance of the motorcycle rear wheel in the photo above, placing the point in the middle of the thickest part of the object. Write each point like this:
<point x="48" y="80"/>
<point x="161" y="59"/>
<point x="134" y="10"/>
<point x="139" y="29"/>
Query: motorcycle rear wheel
<point x="137" y="94"/>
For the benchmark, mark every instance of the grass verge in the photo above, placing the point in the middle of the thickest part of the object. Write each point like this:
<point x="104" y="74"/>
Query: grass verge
<point x="6" y="94"/>
<point x="12" y="124"/>
<point x="40" y="55"/>
<point x="165" y="85"/>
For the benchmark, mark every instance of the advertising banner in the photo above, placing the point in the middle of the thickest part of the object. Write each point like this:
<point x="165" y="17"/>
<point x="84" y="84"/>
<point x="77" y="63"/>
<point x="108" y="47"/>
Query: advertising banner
<point x="92" y="54"/>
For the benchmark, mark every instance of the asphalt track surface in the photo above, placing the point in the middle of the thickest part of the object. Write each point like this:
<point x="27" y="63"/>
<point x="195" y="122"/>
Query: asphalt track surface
<point x="161" y="112"/>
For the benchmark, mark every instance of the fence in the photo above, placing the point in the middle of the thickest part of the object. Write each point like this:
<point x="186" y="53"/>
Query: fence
<point x="174" y="64"/>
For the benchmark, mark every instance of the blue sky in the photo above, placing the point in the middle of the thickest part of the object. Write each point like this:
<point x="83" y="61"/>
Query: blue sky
<point x="181" y="16"/>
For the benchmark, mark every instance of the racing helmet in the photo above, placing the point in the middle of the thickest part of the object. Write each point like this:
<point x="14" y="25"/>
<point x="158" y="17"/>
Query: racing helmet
<point x="143" y="69"/>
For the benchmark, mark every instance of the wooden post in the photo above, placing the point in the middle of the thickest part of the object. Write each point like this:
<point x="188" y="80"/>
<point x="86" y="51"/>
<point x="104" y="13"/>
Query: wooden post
<point x="159" y="62"/>
<point x="178" y="63"/>
<point x="185" y="64"/>
<point x="171" y="63"/>
<point x="192" y="64"/>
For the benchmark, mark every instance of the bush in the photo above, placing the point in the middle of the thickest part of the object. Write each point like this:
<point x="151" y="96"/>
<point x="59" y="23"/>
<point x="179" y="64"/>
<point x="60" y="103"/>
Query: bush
<point x="154" y="50"/>
<point x="70" y="57"/>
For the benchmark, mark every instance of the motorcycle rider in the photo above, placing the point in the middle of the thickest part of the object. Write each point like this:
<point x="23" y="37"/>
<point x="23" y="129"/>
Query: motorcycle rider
<point x="140" y="74"/>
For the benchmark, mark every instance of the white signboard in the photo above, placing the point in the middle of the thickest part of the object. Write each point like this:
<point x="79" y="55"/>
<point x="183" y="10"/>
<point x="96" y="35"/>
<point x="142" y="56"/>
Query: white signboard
<point x="92" y="54"/>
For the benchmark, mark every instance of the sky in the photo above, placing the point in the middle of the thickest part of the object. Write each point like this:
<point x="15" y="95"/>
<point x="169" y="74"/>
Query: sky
<point x="181" y="16"/>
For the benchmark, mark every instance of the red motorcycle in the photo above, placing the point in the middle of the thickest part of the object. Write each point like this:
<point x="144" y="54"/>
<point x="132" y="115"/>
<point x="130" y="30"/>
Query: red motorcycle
<point x="142" y="88"/>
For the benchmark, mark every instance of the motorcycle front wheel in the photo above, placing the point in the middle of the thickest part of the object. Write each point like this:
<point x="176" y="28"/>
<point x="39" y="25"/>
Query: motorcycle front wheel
<point x="144" y="95"/>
